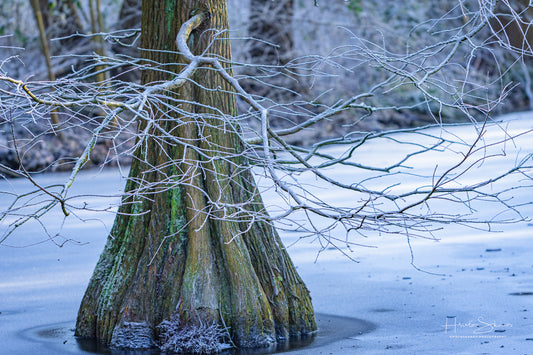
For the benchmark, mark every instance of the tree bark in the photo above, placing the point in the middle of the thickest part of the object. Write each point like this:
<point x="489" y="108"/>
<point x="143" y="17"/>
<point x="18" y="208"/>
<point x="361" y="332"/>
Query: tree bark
<point x="175" y="250"/>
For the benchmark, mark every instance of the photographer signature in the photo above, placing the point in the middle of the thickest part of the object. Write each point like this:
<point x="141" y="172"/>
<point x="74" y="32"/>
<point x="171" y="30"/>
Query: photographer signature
<point x="481" y="325"/>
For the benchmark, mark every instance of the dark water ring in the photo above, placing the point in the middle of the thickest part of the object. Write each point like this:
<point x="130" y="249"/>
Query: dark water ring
<point x="59" y="338"/>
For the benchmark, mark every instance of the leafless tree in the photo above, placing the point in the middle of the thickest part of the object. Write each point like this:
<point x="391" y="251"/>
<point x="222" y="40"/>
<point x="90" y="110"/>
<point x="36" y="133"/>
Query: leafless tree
<point x="380" y="196"/>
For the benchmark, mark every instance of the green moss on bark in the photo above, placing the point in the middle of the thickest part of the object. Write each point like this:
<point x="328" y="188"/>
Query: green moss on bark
<point x="166" y="255"/>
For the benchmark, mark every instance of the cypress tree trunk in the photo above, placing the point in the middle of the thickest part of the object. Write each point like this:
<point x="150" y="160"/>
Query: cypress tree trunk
<point x="175" y="250"/>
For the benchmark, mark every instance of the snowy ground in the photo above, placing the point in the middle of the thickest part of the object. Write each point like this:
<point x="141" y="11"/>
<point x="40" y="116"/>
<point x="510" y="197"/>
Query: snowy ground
<point x="475" y="295"/>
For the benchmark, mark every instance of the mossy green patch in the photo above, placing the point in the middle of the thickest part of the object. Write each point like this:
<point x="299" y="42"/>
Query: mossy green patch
<point x="170" y="10"/>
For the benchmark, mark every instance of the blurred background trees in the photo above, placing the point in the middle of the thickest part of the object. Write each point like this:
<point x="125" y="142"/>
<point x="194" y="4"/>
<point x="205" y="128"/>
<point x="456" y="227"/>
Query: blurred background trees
<point x="277" y="32"/>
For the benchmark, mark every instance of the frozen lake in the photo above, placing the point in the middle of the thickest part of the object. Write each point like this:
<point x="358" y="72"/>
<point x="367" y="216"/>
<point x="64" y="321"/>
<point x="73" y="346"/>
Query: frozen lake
<point x="474" y="295"/>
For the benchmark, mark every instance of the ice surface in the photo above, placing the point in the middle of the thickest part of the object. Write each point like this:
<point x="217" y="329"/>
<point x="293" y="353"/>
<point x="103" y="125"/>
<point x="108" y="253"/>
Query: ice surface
<point x="472" y="296"/>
